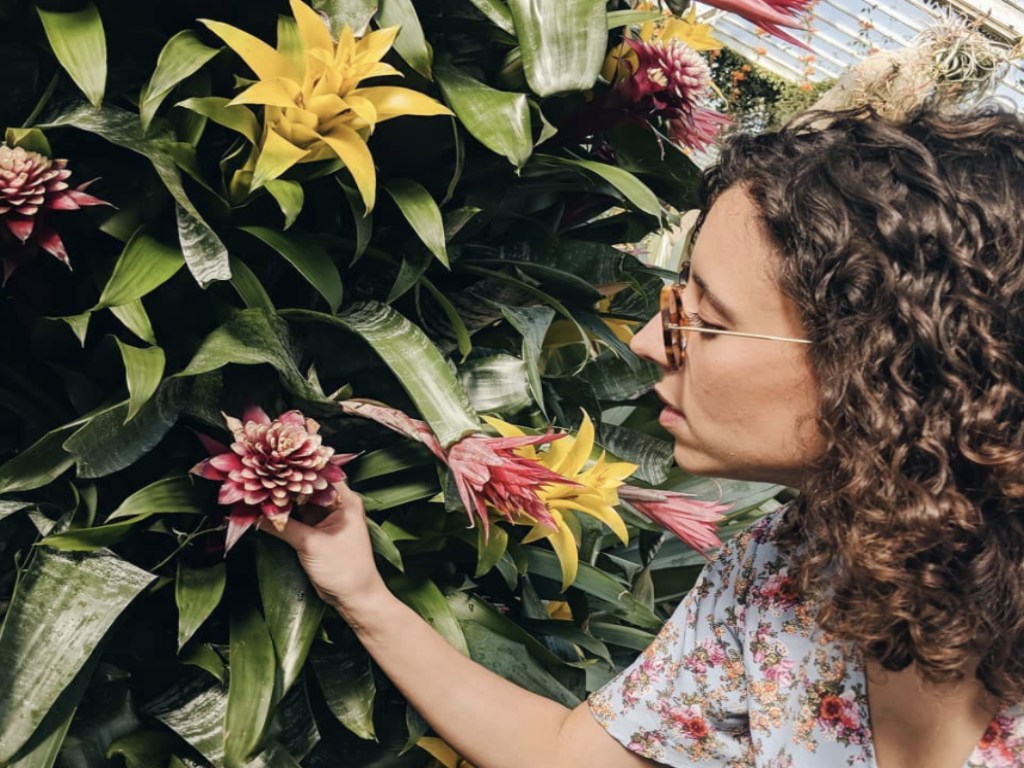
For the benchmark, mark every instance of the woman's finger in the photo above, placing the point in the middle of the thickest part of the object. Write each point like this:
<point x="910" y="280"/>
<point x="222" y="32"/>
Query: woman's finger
<point x="295" y="533"/>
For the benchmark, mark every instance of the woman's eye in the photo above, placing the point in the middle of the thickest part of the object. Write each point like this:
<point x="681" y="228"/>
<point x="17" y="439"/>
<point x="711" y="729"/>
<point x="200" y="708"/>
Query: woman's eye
<point x="697" y="321"/>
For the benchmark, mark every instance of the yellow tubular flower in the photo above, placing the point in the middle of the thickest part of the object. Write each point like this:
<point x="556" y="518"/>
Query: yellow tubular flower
<point x="314" y="107"/>
<point x="596" y="495"/>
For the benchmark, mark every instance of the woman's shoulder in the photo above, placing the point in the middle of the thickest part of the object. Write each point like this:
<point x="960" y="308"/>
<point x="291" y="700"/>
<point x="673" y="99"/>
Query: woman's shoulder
<point x="750" y="555"/>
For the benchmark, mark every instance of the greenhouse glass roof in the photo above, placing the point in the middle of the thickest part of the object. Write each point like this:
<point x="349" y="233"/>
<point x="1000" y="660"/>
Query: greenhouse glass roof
<point x="842" y="33"/>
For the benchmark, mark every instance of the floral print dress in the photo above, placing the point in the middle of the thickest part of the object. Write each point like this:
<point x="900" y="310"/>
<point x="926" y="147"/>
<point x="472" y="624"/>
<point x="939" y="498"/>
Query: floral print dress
<point x="740" y="677"/>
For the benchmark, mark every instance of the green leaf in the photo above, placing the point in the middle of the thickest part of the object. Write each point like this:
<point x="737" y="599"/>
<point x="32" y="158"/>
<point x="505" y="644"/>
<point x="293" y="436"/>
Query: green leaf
<point x="597" y="583"/>
<point x="292" y="608"/>
<point x="143" y="749"/>
<point x="170" y="495"/>
<point x="497" y="119"/>
<point x="78" y="41"/>
<point x="489" y="548"/>
<point x="398" y="493"/>
<point x="355" y="13"/>
<point x="31" y="139"/>
<point x="251" y="337"/>
<point x="235" y="117"/>
<point x="205" y="254"/>
<point x="41" y="463"/>
<point x="143" y="368"/>
<point x="410" y="43"/>
<point x="182" y="56"/>
<point x="623" y="636"/>
<point x="618" y="19"/>
<point x="383" y="545"/>
<point x="308" y="258"/>
<point x="498" y="13"/>
<point x="93" y="538"/>
<point x="62" y="608"/>
<point x="497" y="384"/>
<point x="133" y="317"/>
<point x="422" y="213"/>
<point x="563" y="43"/>
<point x="634" y="190"/>
<point x="459" y="329"/>
<point x="349" y="689"/>
<point x="415" y="361"/>
<point x="424" y="597"/>
<point x="144" y="265"/>
<point x="363" y="220"/>
<point x="533" y="324"/>
<point x="249" y="287"/>
<point x="206" y="658"/>
<point x="79" y="325"/>
<point x="250" y="688"/>
<point x="197" y="592"/>
<point x="510" y="660"/>
<point x="108" y="442"/>
<point x="289" y="197"/>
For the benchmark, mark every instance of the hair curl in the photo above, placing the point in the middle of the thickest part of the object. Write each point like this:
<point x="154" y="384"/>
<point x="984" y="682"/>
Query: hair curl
<point x="902" y="244"/>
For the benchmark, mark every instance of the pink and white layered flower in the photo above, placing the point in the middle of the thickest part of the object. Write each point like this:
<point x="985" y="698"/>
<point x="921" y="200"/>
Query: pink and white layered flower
<point x="769" y="15"/>
<point x="692" y="520"/>
<point x="31" y="185"/>
<point x="487" y="470"/>
<point x="272" y="466"/>
<point x="667" y="82"/>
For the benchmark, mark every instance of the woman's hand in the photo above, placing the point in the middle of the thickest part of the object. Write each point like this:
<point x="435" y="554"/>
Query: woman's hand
<point x="336" y="552"/>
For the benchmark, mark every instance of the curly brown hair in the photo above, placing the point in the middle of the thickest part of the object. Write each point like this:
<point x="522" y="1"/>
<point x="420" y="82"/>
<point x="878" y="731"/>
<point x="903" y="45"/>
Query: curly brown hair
<point x="902" y="244"/>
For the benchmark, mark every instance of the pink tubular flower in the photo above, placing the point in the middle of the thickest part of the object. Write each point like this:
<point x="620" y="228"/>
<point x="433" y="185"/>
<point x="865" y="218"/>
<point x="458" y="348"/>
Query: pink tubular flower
<point x="272" y="466"/>
<point x="30" y="185"/>
<point x="667" y="82"/>
<point x="691" y="519"/>
<point x="769" y="15"/>
<point x="486" y="470"/>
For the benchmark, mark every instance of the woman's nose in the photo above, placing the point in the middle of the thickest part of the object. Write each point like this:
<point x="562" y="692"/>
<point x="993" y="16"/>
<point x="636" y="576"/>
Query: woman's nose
<point x="649" y="344"/>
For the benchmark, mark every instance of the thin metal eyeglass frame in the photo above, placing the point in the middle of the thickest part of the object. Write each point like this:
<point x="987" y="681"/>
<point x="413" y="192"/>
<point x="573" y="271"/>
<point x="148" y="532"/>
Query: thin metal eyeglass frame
<point x="674" y="332"/>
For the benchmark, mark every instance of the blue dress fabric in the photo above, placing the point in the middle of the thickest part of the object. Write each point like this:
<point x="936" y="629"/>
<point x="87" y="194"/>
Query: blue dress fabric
<point x="741" y="677"/>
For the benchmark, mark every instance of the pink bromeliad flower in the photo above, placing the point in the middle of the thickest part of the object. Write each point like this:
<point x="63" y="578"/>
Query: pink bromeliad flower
<point x="667" y="81"/>
<point x="487" y="471"/>
<point x="692" y="520"/>
<point x="769" y="15"/>
<point x="272" y="466"/>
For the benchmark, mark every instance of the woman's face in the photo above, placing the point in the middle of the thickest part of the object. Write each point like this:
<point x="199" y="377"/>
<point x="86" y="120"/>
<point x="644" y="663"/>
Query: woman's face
<point x="738" y="407"/>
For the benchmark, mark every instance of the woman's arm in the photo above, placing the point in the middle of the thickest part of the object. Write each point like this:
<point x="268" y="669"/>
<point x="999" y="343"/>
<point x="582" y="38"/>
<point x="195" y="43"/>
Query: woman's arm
<point x="488" y="720"/>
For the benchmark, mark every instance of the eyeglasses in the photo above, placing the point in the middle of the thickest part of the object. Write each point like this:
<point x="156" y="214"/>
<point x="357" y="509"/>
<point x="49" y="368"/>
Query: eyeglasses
<point x="676" y="322"/>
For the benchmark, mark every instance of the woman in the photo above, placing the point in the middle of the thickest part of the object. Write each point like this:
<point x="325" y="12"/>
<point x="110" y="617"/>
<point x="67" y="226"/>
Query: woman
<point x="852" y="326"/>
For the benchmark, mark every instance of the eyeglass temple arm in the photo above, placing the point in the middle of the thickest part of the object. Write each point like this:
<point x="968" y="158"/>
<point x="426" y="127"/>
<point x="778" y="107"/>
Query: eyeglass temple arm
<point x="720" y="332"/>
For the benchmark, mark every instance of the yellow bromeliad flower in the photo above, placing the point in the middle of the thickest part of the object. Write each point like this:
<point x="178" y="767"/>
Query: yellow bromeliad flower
<point x="622" y="61"/>
<point x="314" y="105"/>
<point x="595" y="495"/>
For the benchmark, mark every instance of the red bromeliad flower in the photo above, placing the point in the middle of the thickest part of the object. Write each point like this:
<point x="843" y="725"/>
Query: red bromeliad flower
<point x="486" y="470"/>
<point x="272" y="466"/>
<point x="691" y="519"/>
<point x="769" y="15"/>
<point x="667" y="82"/>
<point x="30" y="185"/>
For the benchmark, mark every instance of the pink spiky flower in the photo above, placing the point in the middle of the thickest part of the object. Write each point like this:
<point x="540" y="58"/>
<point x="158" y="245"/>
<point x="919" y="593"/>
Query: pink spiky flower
<point x="30" y="186"/>
<point x="487" y="470"/>
<point x="769" y="15"/>
<point x="667" y="82"/>
<point x="692" y="520"/>
<point x="272" y="466"/>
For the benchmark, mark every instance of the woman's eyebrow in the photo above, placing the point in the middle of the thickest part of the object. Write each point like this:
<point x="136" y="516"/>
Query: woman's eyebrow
<point x="716" y="303"/>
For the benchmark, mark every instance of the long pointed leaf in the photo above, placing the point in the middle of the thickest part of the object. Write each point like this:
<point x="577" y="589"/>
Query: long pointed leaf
<point x="497" y="119"/>
<point x="424" y="597"/>
<point x="181" y="57"/>
<point x="133" y="316"/>
<point x="634" y="190"/>
<point x="291" y="606"/>
<point x="78" y="41"/>
<point x="422" y="213"/>
<point x="171" y="494"/>
<point x="197" y="592"/>
<point x="355" y="13"/>
<point x="415" y="361"/>
<point x="563" y="43"/>
<point x="410" y="43"/>
<point x="308" y="258"/>
<point x="348" y="687"/>
<point x="250" y="688"/>
<point x="143" y="368"/>
<point x="144" y="265"/>
<point x="63" y="607"/>
<point x="42" y="462"/>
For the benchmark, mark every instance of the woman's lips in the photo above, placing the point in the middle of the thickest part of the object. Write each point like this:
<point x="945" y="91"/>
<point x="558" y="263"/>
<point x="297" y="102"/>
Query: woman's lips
<point x="670" y="416"/>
